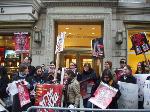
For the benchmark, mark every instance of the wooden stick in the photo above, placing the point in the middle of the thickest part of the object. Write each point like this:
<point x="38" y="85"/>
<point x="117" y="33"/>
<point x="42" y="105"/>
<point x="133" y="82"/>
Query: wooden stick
<point x="57" y="64"/>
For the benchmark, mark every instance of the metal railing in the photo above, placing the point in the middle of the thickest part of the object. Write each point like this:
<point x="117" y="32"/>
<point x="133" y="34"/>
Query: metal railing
<point x="57" y="109"/>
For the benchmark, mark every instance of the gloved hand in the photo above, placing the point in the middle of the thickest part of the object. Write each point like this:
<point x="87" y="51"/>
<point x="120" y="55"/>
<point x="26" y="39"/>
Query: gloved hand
<point x="72" y="106"/>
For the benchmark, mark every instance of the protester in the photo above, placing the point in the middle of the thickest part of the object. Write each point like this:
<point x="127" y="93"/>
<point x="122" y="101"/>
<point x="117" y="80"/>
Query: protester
<point x="127" y="75"/>
<point x="21" y="75"/>
<point x="107" y="77"/>
<point x="51" y="72"/>
<point x="119" y="71"/>
<point x="37" y="78"/>
<point x="88" y="79"/>
<point x="28" y="60"/>
<point x="73" y="67"/>
<point x="4" y="80"/>
<point x="140" y="68"/>
<point x="73" y="91"/>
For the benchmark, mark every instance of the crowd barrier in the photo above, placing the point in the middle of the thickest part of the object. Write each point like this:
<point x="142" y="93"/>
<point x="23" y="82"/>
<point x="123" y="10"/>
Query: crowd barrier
<point x="57" y="109"/>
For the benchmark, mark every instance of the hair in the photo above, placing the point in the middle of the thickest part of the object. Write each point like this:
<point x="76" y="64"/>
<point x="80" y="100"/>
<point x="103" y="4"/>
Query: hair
<point x="22" y="67"/>
<point x="52" y="62"/>
<point x="71" y="73"/>
<point x="74" y="64"/>
<point x="108" y="73"/>
<point x="129" y="68"/>
<point x="38" y="67"/>
<point x="123" y="60"/>
<point x="109" y="63"/>
<point x="87" y="65"/>
<point x="29" y="58"/>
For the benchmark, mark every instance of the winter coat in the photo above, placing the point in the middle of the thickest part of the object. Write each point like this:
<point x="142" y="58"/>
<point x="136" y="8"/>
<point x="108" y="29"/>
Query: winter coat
<point x="73" y="93"/>
<point x="4" y="80"/>
<point x="16" y="107"/>
<point x="128" y="79"/>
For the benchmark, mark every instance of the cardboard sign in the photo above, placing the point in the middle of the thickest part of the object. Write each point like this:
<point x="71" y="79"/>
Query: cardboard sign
<point x="60" y="42"/>
<point x="97" y="48"/>
<point x="23" y="93"/>
<point x="147" y="95"/>
<point x="129" y="96"/>
<point x="48" y="95"/>
<point x="140" y="43"/>
<point x="103" y="95"/>
<point x="141" y="78"/>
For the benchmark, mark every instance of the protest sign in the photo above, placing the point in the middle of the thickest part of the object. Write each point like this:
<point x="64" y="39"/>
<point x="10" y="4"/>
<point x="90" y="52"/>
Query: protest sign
<point x="146" y="91"/>
<point x="140" y="43"/>
<point x="129" y="96"/>
<point x="60" y="42"/>
<point x="85" y="88"/>
<point x="97" y="48"/>
<point x="48" y="95"/>
<point x="103" y="95"/>
<point x="22" y="42"/>
<point x="23" y="93"/>
<point x="141" y="78"/>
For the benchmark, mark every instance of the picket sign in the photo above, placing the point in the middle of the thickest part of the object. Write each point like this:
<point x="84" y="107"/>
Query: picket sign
<point x="103" y="95"/>
<point x="129" y="96"/>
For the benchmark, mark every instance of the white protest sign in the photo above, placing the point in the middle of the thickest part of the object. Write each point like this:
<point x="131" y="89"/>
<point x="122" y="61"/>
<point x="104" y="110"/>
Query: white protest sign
<point x="103" y="95"/>
<point x="141" y="78"/>
<point x="60" y="42"/>
<point x="146" y="91"/>
<point x="12" y="88"/>
<point x="129" y="96"/>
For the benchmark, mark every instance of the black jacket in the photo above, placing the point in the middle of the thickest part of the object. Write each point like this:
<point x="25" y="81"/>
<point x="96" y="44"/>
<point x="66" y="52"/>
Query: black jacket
<point x="4" y="80"/>
<point x="128" y="79"/>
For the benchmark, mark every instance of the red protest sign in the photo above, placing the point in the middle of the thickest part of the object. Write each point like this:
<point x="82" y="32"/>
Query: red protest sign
<point x="48" y="95"/>
<point x="140" y="43"/>
<point x="22" y="42"/>
<point x="23" y="93"/>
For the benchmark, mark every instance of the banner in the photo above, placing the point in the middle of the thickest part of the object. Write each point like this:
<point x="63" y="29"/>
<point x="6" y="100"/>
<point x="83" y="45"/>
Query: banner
<point x="141" y="78"/>
<point x="140" y="43"/>
<point x="147" y="95"/>
<point x="60" y="42"/>
<point x="22" y="42"/>
<point x="103" y="95"/>
<point x="97" y="48"/>
<point x="23" y="93"/>
<point x="129" y="96"/>
<point x="48" y="95"/>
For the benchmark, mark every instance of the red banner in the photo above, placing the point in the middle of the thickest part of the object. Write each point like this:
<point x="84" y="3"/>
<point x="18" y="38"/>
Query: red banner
<point x="23" y="93"/>
<point x="103" y="95"/>
<point x="140" y="43"/>
<point x="48" y="95"/>
<point x="22" y="42"/>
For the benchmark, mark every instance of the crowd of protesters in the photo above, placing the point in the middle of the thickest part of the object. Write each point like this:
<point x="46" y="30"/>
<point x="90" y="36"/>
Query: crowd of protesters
<point x="72" y="80"/>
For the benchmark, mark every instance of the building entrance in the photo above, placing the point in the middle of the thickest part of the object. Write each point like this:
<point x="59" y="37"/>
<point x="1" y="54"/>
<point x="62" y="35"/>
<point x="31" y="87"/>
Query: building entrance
<point x="77" y="45"/>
